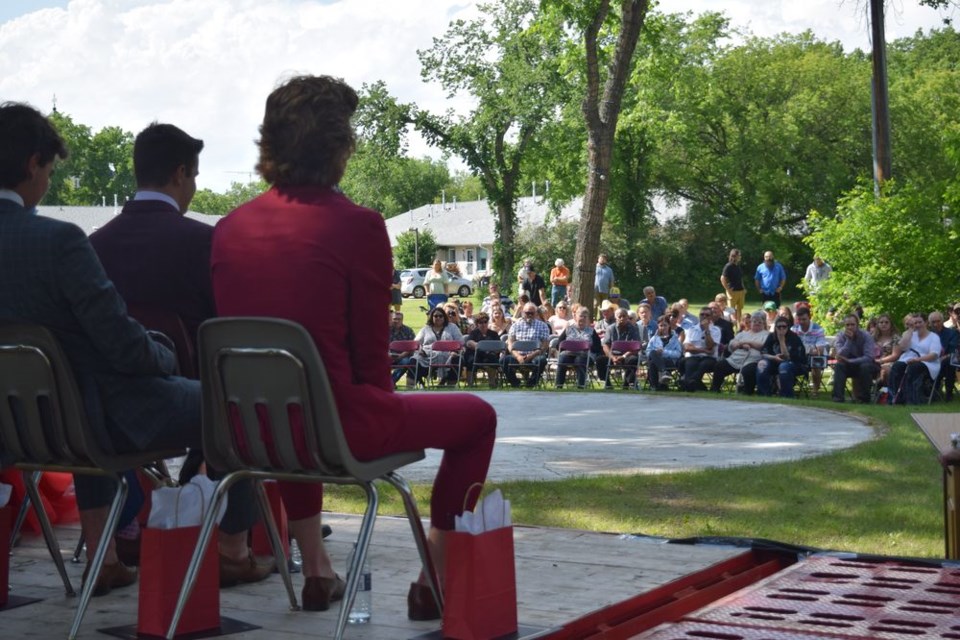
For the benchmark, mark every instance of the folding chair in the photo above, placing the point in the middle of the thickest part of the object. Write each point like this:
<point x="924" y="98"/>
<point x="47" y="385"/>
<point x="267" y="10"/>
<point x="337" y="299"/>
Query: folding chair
<point x="578" y="349"/>
<point x="624" y="347"/>
<point x="43" y="427"/>
<point x="529" y="366"/>
<point x="455" y="350"/>
<point x="269" y="412"/>
<point x="490" y="350"/>
<point x="403" y="346"/>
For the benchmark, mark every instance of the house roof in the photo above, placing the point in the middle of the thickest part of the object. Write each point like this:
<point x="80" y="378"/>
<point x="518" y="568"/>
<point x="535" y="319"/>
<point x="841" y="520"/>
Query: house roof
<point x="472" y="223"/>
<point x="92" y="218"/>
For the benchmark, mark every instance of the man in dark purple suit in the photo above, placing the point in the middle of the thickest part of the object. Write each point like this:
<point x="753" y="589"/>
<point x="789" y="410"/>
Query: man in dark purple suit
<point x="159" y="259"/>
<point x="155" y="255"/>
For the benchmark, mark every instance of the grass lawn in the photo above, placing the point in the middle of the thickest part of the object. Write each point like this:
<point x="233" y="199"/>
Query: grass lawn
<point x="882" y="496"/>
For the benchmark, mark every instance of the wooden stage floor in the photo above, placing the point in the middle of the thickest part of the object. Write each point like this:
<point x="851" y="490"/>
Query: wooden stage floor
<point x="562" y="574"/>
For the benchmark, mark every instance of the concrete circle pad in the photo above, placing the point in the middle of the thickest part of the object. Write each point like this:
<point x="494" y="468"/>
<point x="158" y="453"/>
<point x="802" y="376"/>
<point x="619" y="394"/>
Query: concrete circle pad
<point x="551" y="436"/>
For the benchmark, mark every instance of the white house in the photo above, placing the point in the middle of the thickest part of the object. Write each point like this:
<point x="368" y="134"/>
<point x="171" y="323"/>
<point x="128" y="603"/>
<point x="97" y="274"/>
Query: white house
<point x="464" y="231"/>
<point x="92" y="218"/>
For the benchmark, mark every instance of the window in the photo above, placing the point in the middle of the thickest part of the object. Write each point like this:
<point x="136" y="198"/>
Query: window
<point x="451" y="255"/>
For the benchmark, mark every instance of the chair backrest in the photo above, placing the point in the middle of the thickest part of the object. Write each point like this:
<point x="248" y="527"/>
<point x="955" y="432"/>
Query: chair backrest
<point x="453" y="346"/>
<point x="526" y="345"/>
<point x="575" y="345"/>
<point x="170" y="324"/>
<point x="400" y="346"/>
<point x="267" y="402"/>
<point x="625" y="346"/>
<point x="42" y="418"/>
<point x="491" y="346"/>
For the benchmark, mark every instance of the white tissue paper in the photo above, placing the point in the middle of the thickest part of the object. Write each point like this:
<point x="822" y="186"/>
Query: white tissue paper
<point x="5" y="491"/>
<point x="493" y="512"/>
<point x="176" y="507"/>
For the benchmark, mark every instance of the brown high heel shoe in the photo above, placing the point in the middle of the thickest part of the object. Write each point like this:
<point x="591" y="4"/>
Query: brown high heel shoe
<point x="421" y="604"/>
<point x="319" y="592"/>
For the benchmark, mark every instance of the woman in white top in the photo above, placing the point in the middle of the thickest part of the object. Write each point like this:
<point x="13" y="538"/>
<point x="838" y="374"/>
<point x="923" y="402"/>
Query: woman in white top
<point x="435" y="282"/>
<point x="744" y="354"/>
<point x="560" y="320"/>
<point x="438" y="328"/>
<point x="919" y="361"/>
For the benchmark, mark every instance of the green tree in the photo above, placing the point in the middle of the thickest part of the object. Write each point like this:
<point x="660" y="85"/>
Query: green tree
<point x="610" y="36"/>
<point x="220" y="204"/>
<point x="506" y="61"/>
<point x="107" y="171"/>
<point x="894" y="253"/>
<point x="415" y="248"/>
<point x="66" y="179"/>
<point x="395" y="184"/>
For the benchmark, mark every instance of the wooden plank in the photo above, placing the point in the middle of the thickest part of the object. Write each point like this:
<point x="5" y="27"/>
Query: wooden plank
<point x="938" y="427"/>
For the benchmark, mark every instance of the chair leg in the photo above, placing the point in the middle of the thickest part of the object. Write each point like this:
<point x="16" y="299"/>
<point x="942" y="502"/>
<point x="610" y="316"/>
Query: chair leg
<point x="193" y="569"/>
<point x="30" y="481"/>
<point x="419" y="536"/>
<point x="24" y="510"/>
<point x="363" y="542"/>
<point x="109" y="528"/>
<point x="78" y="550"/>
<point x="275" y="544"/>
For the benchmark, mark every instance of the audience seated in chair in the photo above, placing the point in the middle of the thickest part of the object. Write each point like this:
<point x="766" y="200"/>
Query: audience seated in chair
<point x="784" y="358"/>
<point x="482" y="331"/>
<point x="700" y="351"/>
<point x="855" y="351"/>
<point x="948" y="345"/>
<point x="439" y="328"/>
<point x="919" y="361"/>
<point x="581" y="331"/>
<point x="814" y="340"/>
<point x="621" y="331"/>
<point x="664" y="352"/>
<point x="529" y="328"/>
<point x="744" y="352"/>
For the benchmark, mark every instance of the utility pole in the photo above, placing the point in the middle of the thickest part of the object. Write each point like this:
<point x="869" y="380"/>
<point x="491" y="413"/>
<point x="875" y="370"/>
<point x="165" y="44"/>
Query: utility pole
<point x="880" y="103"/>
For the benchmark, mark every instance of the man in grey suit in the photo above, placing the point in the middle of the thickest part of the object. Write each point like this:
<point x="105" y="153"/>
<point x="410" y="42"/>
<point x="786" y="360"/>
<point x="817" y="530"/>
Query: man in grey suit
<point x="50" y="275"/>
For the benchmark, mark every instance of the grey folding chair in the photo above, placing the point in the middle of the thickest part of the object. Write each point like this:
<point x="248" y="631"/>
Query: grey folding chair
<point x="269" y="412"/>
<point x="487" y="359"/>
<point x="43" y="427"/>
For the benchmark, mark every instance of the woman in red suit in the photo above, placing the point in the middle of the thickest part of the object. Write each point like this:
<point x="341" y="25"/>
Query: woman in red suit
<point x="304" y="252"/>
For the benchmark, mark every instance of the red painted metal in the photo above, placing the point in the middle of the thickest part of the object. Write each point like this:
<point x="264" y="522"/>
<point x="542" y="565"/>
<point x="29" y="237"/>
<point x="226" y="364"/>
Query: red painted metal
<point x="853" y="598"/>
<point x="688" y="630"/>
<point x="673" y="600"/>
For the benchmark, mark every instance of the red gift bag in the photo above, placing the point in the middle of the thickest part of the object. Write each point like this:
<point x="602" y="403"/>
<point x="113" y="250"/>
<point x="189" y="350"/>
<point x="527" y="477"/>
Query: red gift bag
<point x="164" y="556"/>
<point x="5" y="514"/>
<point x="261" y="542"/>
<point x="480" y="594"/>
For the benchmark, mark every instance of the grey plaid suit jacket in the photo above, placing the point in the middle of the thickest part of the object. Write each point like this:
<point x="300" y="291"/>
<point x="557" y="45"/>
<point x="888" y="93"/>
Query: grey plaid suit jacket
<point x="50" y="275"/>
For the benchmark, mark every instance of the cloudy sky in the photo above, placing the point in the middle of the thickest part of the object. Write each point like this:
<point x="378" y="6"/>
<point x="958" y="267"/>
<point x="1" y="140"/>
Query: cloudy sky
<point x="208" y="65"/>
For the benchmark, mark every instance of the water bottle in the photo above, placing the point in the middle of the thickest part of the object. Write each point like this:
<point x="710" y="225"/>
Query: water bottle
<point x="360" y="612"/>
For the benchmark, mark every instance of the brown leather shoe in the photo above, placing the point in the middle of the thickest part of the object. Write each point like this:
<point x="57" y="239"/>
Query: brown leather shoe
<point x="234" y="572"/>
<point x="128" y="550"/>
<point x="420" y="603"/>
<point x="112" y="576"/>
<point x="319" y="592"/>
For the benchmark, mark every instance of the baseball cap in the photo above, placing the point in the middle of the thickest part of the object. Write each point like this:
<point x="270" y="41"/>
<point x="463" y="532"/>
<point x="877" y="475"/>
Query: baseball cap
<point x="769" y="305"/>
<point x="606" y="304"/>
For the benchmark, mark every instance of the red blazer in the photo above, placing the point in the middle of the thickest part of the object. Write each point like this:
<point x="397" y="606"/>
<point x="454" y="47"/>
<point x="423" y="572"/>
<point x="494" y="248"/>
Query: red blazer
<point x="310" y="255"/>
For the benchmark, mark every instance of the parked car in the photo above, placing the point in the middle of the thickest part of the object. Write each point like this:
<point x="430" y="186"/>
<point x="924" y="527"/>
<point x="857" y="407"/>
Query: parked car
<point x="411" y="284"/>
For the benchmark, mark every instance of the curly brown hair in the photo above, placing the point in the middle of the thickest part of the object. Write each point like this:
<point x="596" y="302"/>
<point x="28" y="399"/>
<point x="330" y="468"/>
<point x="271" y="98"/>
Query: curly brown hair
<point x="306" y="136"/>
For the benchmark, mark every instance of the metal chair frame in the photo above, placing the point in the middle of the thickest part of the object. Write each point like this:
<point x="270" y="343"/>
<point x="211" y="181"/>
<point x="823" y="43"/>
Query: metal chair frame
<point x="527" y="345"/>
<point x="622" y="347"/>
<point x="455" y="349"/>
<point x="399" y="346"/>
<point x="43" y="427"/>
<point x="258" y="374"/>
<point x="487" y="346"/>
<point x="578" y="347"/>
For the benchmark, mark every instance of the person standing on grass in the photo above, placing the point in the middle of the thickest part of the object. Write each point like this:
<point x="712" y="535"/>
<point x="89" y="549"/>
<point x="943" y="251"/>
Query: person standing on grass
<point x="732" y="281"/>
<point x="770" y="278"/>
<point x="603" y="280"/>
<point x="559" y="279"/>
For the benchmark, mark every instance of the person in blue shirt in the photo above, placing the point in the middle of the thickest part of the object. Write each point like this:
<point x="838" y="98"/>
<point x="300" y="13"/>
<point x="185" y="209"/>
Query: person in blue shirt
<point x="770" y="278"/>
<point x="602" y="280"/>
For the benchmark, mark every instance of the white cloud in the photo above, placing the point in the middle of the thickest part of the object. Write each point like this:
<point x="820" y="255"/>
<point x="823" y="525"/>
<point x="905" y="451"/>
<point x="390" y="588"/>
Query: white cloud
<point x="208" y="65"/>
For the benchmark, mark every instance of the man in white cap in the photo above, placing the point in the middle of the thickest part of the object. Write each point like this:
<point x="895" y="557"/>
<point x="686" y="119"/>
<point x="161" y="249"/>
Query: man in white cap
<point x="559" y="278"/>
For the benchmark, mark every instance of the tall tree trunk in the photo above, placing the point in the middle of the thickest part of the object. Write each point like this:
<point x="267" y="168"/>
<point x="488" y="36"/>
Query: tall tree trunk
<point x="505" y="255"/>
<point x="601" y="113"/>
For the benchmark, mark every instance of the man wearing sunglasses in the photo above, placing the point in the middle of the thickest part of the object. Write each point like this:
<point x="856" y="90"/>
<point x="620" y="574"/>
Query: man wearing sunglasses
<point x="527" y="327"/>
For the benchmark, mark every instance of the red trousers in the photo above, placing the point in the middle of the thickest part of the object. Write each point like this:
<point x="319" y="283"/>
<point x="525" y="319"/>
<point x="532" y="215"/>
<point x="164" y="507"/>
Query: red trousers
<point x="461" y="425"/>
